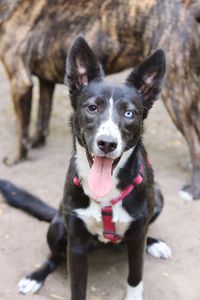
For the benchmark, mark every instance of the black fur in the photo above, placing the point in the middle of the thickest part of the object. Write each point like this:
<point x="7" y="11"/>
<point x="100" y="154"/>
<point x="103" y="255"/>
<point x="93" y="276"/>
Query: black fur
<point x="90" y="96"/>
<point x="22" y="199"/>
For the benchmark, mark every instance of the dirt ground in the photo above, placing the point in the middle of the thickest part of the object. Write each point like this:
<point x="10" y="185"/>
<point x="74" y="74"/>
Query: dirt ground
<point x="23" y="243"/>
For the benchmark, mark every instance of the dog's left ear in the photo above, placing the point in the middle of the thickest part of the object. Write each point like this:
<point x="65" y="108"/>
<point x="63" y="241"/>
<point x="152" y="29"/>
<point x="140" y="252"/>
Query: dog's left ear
<point x="81" y="65"/>
<point x="148" y="77"/>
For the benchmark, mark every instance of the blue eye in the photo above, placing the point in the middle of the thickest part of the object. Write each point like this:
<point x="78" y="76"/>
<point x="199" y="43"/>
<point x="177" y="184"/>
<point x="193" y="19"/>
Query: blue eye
<point x="92" y="109"/>
<point x="129" y="114"/>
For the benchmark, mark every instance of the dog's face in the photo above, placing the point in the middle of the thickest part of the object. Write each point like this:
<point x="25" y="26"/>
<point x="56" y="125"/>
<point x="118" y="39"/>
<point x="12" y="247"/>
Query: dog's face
<point x="108" y="119"/>
<point x="105" y="117"/>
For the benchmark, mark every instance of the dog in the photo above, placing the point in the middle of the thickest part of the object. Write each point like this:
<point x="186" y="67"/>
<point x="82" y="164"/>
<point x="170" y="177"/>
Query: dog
<point x="35" y="39"/>
<point x="109" y="194"/>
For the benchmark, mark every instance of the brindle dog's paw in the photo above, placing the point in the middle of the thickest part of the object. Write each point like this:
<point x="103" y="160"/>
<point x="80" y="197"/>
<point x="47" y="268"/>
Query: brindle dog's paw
<point x="9" y="162"/>
<point x="186" y="193"/>
<point x="190" y="193"/>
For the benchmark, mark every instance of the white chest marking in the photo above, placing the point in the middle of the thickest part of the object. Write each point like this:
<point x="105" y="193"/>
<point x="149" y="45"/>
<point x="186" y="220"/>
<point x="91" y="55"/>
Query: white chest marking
<point x="92" y="218"/>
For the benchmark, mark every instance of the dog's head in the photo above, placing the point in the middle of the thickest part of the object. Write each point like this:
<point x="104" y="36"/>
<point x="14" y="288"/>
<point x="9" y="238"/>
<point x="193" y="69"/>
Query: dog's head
<point x="108" y="118"/>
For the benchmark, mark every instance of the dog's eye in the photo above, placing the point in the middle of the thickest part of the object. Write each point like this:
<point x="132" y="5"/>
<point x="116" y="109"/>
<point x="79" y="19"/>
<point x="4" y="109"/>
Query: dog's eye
<point x="129" y="114"/>
<point x="92" y="109"/>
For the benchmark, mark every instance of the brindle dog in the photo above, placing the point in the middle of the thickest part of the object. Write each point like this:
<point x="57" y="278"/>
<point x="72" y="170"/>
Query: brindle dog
<point x="34" y="41"/>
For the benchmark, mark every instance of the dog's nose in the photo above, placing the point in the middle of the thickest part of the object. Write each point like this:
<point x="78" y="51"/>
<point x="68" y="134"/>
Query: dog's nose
<point x="107" y="143"/>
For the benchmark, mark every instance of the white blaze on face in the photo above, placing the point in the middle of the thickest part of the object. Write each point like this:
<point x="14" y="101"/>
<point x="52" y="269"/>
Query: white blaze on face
<point x="110" y="128"/>
<point x="100" y="178"/>
<point x="110" y="108"/>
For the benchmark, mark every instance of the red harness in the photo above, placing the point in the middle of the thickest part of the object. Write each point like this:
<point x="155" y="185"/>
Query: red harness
<point x="109" y="231"/>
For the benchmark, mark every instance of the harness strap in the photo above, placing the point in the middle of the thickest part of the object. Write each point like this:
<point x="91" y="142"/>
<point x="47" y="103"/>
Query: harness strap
<point x="109" y="230"/>
<point x="129" y="189"/>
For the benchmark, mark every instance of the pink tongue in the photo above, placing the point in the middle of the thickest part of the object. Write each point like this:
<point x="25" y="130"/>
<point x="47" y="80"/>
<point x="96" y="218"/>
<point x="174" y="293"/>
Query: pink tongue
<point x="100" y="179"/>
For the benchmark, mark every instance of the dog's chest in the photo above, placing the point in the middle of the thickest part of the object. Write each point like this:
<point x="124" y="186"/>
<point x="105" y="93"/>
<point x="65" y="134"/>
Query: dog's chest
<point x="92" y="218"/>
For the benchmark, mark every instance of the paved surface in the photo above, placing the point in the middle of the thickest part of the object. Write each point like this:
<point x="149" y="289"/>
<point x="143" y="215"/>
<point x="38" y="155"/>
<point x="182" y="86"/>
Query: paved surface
<point x="23" y="244"/>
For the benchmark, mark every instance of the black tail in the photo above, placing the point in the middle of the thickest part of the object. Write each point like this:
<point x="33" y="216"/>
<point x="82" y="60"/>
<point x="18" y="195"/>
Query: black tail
<point x="23" y="200"/>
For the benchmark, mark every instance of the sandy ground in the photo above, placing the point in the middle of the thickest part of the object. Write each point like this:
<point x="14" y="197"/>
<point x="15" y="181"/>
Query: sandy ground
<point x="23" y="243"/>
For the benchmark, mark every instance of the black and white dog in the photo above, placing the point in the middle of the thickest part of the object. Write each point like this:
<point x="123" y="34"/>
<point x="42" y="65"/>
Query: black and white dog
<point x="109" y="193"/>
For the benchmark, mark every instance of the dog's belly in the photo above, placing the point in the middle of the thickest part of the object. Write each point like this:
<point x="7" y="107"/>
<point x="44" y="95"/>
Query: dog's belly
<point x="92" y="218"/>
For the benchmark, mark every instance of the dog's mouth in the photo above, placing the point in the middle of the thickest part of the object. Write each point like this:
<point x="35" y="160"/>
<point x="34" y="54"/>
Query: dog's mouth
<point x="100" y="175"/>
<point x="91" y="157"/>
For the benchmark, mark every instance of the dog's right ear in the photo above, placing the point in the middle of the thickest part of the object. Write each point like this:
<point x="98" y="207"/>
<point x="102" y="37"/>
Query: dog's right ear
<point x="82" y="66"/>
<point x="148" y="78"/>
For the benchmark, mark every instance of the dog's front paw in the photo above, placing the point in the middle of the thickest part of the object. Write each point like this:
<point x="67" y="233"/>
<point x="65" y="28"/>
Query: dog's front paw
<point x="186" y="193"/>
<point x="159" y="249"/>
<point x="135" y="293"/>
<point x="28" y="286"/>
<point x="9" y="162"/>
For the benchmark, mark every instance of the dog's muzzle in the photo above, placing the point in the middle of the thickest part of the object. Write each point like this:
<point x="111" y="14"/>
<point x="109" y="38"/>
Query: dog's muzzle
<point x="107" y="143"/>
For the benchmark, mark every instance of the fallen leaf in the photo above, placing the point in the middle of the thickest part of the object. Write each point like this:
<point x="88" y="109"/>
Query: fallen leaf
<point x="56" y="297"/>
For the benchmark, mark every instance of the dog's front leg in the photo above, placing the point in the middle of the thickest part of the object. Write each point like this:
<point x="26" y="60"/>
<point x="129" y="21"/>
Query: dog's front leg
<point x="135" y="260"/>
<point x="79" y="242"/>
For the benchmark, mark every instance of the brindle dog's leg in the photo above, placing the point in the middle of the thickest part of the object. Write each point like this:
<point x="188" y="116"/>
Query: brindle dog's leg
<point x="21" y="89"/>
<point x="44" y="112"/>
<point x="79" y="243"/>
<point x="196" y="178"/>
<point x="192" y="191"/>
<point x="193" y="140"/>
<point x="191" y="130"/>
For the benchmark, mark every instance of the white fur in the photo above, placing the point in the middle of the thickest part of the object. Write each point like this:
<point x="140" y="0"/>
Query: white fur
<point x="92" y="219"/>
<point x="109" y="128"/>
<point x="185" y="195"/>
<point x="111" y="108"/>
<point x="159" y="250"/>
<point x="28" y="286"/>
<point x="135" y="293"/>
